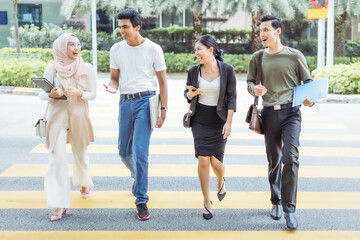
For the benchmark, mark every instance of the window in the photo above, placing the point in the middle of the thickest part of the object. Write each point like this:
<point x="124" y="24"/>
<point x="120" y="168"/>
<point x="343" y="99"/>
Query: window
<point x="30" y="14"/>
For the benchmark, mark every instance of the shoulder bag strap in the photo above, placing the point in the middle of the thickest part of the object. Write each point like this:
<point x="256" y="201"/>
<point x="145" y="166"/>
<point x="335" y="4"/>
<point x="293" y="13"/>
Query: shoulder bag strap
<point x="258" y="74"/>
<point x="47" y="107"/>
<point x="53" y="82"/>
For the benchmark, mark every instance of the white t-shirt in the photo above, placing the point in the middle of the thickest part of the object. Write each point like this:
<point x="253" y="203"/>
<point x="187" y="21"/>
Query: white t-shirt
<point x="138" y="65"/>
<point x="209" y="91"/>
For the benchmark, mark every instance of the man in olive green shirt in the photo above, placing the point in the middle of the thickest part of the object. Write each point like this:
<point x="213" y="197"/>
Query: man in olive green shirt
<point x="283" y="68"/>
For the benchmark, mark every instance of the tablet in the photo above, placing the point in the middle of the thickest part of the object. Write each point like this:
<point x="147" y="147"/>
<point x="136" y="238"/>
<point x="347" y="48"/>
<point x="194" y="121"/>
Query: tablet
<point x="45" y="85"/>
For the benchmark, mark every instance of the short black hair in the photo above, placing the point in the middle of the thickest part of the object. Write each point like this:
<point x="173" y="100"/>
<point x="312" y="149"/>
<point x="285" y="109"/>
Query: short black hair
<point x="132" y="15"/>
<point x="209" y="42"/>
<point x="276" y="22"/>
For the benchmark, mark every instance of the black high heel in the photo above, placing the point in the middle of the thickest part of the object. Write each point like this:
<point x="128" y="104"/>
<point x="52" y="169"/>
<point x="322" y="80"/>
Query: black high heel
<point x="221" y="195"/>
<point x="209" y="215"/>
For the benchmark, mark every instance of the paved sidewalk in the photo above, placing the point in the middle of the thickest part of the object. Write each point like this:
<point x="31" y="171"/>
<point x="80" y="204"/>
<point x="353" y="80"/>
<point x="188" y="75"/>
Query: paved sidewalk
<point x="332" y="98"/>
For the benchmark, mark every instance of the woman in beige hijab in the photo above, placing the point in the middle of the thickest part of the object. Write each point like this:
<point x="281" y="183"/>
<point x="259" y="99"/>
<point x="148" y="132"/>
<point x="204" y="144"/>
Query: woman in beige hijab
<point x="76" y="80"/>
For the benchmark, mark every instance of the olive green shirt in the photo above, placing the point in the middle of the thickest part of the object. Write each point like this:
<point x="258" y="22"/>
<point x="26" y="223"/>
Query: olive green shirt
<point x="281" y="72"/>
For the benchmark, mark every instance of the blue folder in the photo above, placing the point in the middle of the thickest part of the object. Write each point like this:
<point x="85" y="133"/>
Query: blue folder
<point x="313" y="90"/>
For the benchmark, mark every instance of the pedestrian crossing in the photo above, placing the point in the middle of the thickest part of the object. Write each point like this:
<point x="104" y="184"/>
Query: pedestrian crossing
<point x="180" y="235"/>
<point x="230" y="149"/>
<point x="176" y="214"/>
<point x="183" y="200"/>
<point x="186" y="170"/>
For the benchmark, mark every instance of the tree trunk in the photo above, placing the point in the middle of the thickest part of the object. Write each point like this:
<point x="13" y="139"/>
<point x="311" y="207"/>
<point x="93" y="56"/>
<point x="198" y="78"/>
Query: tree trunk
<point x="340" y="30"/>
<point x="197" y="24"/>
<point x="255" y="34"/>
<point x="16" y="25"/>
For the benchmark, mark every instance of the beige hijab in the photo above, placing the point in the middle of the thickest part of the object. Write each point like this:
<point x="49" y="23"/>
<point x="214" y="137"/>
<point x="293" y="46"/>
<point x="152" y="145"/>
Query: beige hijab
<point x="66" y="67"/>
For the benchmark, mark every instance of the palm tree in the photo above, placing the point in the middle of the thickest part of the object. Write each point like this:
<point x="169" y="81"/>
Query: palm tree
<point x="77" y="8"/>
<point x="197" y="7"/>
<point x="344" y="10"/>
<point x="16" y="25"/>
<point x="281" y="8"/>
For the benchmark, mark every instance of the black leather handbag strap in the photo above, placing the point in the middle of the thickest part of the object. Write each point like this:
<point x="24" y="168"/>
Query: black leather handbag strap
<point x="258" y="74"/>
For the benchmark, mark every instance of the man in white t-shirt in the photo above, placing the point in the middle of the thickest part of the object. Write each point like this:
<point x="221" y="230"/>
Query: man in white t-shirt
<point x="134" y="62"/>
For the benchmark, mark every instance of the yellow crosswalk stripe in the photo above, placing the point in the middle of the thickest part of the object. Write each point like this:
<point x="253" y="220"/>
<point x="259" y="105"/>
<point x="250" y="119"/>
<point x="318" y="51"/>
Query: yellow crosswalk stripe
<point x="235" y="135"/>
<point x="230" y="149"/>
<point x="186" y="170"/>
<point x="182" y="200"/>
<point x="178" y="123"/>
<point x="170" y="115"/>
<point x="180" y="235"/>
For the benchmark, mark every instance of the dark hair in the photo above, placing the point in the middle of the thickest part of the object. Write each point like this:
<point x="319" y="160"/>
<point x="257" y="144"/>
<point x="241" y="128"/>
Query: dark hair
<point x="209" y="42"/>
<point x="276" y="22"/>
<point x="132" y="15"/>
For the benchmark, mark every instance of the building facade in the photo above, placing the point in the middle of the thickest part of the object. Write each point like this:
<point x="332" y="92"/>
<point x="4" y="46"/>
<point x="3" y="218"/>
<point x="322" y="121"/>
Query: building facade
<point x="29" y="12"/>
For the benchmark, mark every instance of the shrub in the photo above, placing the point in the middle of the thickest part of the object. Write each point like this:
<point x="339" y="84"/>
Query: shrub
<point x="180" y="62"/>
<point x="47" y="56"/>
<point x="346" y="82"/>
<point x="311" y="62"/>
<point x="19" y="72"/>
<point x="307" y="46"/>
<point x="352" y="48"/>
<point x="71" y="23"/>
<point x="344" y="79"/>
<point x="239" y="62"/>
<point x="35" y="37"/>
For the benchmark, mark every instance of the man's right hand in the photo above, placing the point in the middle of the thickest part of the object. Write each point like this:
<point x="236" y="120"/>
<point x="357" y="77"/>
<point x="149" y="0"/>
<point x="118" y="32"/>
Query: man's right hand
<point x="110" y="89"/>
<point x="259" y="90"/>
<point x="56" y="93"/>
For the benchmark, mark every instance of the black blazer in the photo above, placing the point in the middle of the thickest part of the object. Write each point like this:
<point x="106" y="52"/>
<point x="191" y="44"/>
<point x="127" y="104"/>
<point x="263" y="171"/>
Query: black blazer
<point x="227" y="96"/>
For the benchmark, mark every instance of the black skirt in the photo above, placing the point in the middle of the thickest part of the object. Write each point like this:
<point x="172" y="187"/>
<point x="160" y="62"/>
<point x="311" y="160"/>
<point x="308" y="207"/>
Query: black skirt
<point x="206" y="127"/>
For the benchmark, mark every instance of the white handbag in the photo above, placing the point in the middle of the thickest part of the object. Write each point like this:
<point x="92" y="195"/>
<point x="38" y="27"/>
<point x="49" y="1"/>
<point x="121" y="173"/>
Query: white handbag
<point x="40" y="126"/>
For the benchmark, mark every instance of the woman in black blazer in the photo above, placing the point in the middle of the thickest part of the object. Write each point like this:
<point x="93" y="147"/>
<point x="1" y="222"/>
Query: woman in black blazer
<point x="211" y="91"/>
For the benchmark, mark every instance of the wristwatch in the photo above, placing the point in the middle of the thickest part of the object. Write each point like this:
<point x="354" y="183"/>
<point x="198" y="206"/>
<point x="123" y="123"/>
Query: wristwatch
<point x="164" y="108"/>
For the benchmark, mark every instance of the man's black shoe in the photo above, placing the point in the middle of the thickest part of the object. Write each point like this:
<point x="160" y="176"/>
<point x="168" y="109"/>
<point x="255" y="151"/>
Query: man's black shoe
<point x="276" y="211"/>
<point x="142" y="212"/>
<point x="291" y="221"/>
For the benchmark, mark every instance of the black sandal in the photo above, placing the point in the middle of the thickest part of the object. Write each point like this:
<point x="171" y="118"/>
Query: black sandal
<point x="221" y="195"/>
<point x="209" y="215"/>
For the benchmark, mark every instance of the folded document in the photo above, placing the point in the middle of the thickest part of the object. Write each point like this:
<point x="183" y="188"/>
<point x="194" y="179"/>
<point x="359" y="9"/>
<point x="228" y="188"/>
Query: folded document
<point x="313" y="90"/>
<point x="154" y="109"/>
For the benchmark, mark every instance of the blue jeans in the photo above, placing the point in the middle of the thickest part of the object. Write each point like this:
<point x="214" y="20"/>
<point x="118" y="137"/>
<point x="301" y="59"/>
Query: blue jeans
<point x="134" y="140"/>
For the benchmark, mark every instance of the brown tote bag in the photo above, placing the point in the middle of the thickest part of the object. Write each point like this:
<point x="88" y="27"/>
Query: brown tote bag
<point x="253" y="115"/>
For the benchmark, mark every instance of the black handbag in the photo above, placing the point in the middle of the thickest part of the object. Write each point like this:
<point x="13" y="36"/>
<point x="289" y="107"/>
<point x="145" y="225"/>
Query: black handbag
<point x="253" y="116"/>
<point x="187" y="119"/>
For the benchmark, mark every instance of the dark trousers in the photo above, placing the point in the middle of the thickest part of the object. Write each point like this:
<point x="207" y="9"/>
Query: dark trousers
<point x="282" y="131"/>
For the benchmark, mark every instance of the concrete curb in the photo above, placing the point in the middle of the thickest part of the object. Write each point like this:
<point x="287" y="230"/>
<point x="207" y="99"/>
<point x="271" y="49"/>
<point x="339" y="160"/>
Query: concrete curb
<point x="343" y="99"/>
<point x="19" y="90"/>
<point x="332" y="98"/>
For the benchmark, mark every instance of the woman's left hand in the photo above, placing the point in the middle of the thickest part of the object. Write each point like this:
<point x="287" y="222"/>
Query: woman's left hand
<point x="72" y="92"/>
<point x="226" y="130"/>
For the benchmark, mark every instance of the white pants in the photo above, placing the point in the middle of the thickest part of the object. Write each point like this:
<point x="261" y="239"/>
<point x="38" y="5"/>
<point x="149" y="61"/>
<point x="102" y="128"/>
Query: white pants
<point x="57" y="182"/>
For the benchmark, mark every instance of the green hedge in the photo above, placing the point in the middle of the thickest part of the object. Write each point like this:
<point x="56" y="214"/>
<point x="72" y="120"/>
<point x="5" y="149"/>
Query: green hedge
<point x="19" y="72"/>
<point x="175" y="62"/>
<point x="344" y="79"/>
